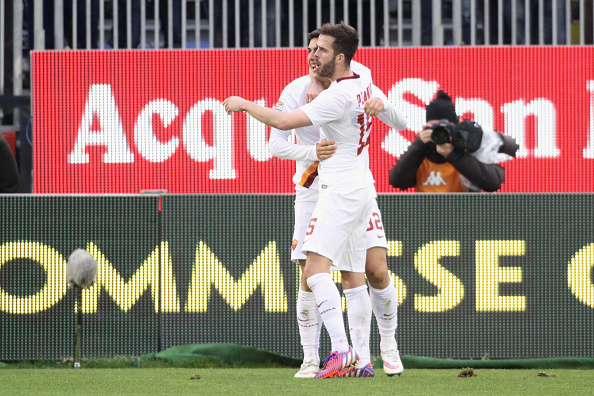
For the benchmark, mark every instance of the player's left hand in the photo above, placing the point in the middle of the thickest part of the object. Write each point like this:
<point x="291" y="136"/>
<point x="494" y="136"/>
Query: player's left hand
<point x="373" y="106"/>
<point x="234" y="103"/>
<point x="325" y="149"/>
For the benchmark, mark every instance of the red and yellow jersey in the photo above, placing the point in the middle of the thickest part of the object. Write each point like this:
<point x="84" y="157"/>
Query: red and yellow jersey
<point x="438" y="178"/>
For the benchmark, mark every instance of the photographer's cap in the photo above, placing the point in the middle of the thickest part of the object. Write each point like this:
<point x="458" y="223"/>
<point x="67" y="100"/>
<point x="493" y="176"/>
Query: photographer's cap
<point x="441" y="107"/>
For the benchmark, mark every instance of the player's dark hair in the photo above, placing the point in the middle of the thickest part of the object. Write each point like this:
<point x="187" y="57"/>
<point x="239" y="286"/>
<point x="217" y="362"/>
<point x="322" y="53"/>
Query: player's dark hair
<point x="313" y="34"/>
<point x="346" y="39"/>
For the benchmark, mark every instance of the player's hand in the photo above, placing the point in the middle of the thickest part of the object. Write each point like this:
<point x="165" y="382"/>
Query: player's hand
<point x="373" y="106"/>
<point x="325" y="149"/>
<point x="314" y="89"/>
<point x="234" y="103"/>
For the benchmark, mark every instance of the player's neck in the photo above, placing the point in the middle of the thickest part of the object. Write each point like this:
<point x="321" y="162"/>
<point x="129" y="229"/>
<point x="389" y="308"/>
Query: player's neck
<point x="342" y="73"/>
<point x="325" y="81"/>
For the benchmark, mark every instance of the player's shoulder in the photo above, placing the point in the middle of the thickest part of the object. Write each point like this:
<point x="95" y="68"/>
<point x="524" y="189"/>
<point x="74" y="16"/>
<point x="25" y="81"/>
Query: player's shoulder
<point x="361" y="69"/>
<point x="352" y="84"/>
<point x="298" y="85"/>
<point x="293" y="94"/>
<point x="339" y="93"/>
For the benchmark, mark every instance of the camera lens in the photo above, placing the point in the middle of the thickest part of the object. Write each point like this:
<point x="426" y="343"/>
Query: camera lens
<point x="440" y="135"/>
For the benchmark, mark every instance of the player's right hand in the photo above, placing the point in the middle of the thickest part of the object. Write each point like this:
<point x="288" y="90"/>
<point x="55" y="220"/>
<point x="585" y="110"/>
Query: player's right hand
<point x="325" y="149"/>
<point x="313" y="90"/>
<point x="234" y="103"/>
<point x="373" y="106"/>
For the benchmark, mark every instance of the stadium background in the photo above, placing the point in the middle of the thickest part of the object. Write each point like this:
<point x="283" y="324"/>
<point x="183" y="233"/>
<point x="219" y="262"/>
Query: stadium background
<point x="159" y="114"/>
<point x="503" y="275"/>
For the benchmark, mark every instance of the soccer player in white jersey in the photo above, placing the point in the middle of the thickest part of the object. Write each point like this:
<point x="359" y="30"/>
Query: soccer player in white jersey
<point x="307" y="154"/>
<point x="337" y="227"/>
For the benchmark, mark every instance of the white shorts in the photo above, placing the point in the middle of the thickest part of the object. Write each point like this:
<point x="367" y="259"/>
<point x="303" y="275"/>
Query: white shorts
<point x="375" y="233"/>
<point x="305" y="202"/>
<point x="374" y="236"/>
<point x="338" y="226"/>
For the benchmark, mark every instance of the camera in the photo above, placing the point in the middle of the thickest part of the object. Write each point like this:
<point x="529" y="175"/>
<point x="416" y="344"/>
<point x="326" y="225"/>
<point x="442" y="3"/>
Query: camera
<point x="441" y="132"/>
<point x="465" y="135"/>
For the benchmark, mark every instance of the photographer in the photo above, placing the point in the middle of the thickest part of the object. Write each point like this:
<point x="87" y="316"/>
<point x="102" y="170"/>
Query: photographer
<point x="465" y="160"/>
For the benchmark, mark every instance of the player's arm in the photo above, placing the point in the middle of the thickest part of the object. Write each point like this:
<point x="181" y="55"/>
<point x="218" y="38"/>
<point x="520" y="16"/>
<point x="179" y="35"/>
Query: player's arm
<point x="379" y="105"/>
<point x="279" y="144"/>
<point x="280" y="147"/>
<point x="266" y="115"/>
<point x="316" y="86"/>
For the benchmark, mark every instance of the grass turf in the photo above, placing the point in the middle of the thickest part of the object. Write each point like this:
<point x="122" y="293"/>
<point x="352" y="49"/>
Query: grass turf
<point x="167" y="381"/>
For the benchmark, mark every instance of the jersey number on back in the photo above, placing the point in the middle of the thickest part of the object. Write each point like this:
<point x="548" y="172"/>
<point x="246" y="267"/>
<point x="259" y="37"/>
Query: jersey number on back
<point x="364" y="122"/>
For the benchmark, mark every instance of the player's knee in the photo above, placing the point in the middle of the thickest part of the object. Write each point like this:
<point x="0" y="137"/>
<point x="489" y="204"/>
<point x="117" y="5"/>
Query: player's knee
<point x="351" y="280"/>
<point x="374" y="277"/>
<point x="376" y="268"/>
<point x="378" y="278"/>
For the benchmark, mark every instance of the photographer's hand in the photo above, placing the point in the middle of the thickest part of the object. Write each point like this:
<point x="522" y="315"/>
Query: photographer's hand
<point x="442" y="149"/>
<point x="425" y="134"/>
<point x="445" y="149"/>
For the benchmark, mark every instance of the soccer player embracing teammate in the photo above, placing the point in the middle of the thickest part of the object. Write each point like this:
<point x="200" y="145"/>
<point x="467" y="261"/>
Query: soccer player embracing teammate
<point x="336" y="231"/>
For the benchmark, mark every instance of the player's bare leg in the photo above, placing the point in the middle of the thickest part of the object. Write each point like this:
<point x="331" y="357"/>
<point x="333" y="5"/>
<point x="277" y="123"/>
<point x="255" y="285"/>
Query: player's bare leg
<point x="384" y="302"/>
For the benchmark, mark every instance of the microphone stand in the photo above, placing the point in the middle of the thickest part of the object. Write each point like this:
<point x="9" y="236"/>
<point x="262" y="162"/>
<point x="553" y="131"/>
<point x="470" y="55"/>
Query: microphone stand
<point x="78" y="338"/>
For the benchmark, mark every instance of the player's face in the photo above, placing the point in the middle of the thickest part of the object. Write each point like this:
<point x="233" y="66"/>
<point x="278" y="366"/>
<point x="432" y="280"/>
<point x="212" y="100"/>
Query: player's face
<point x="327" y="69"/>
<point x="311" y="50"/>
<point x="325" y="56"/>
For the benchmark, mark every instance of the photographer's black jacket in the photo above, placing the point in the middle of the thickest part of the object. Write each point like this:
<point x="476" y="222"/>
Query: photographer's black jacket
<point x="486" y="177"/>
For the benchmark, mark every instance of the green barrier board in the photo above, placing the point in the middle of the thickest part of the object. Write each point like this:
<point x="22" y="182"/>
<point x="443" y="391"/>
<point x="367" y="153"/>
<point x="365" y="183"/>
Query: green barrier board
<point x="503" y="276"/>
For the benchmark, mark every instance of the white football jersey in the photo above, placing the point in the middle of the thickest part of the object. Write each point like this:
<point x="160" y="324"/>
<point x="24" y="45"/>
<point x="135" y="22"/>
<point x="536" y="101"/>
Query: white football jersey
<point x="304" y="153"/>
<point x="339" y="112"/>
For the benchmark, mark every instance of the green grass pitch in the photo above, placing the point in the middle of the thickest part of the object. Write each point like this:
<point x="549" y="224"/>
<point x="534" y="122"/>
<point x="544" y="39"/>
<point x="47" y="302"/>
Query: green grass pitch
<point x="208" y="381"/>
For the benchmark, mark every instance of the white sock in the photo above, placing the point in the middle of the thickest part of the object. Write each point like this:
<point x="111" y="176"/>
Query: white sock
<point x="329" y="304"/>
<point x="385" y="308"/>
<point x="359" y="314"/>
<point x="310" y="325"/>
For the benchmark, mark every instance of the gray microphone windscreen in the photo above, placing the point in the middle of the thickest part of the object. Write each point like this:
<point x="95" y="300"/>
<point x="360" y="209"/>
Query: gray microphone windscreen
<point x="81" y="269"/>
